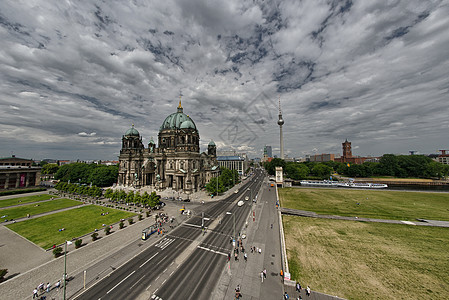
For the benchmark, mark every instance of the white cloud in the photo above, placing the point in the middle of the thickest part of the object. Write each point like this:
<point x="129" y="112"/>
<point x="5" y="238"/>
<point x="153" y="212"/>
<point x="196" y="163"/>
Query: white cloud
<point x="375" y="73"/>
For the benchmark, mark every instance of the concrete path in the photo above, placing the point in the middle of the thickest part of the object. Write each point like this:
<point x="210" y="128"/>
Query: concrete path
<point x="419" y="222"/>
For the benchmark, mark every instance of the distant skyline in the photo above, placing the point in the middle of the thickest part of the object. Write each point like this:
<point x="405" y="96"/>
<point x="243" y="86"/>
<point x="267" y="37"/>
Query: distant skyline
<point x="75" y="75"/>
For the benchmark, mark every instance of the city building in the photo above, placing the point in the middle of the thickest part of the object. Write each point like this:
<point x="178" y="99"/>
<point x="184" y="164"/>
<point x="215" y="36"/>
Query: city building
<point x="234" y="162"/>
<point x="443" y="157"/>
<point x="347" y="156"/>
<point x="18" y="172"/>
<point x="175" y="162"/>
<point x="322" y="157"/>
<point x="268" y="151"/>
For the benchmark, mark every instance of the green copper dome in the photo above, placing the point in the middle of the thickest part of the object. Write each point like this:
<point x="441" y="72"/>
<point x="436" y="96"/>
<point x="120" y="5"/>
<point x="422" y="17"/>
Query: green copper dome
<point x="132" y="132"/>
<point x="211" y="143"/>
<point x="178" y="120"/>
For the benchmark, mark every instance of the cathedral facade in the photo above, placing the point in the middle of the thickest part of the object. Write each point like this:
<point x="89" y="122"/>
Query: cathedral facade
<point x="175" y="162"/>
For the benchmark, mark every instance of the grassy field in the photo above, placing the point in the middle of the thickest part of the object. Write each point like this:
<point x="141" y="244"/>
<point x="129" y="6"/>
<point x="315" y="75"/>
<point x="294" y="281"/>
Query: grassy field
<point x="23" y="200"/>
<point x="360" y="260"/>
<point x="37" y="208"/>
<point x="44" y="231"/>
<point x="394" y="205"/>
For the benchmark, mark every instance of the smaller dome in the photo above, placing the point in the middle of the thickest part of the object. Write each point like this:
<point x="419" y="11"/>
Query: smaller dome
<point x="132" y="132"/>
<point x="211" y="143"/>
<point x="187" y="124"/>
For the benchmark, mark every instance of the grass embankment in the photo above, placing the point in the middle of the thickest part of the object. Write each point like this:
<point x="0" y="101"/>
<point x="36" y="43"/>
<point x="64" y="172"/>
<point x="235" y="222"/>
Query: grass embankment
<point x="23" y="200"/>
<point x="37" y="208"/>
<point x="394" y="205"/>
<point x="358" y="260"/>
<point x="44" y="231"/>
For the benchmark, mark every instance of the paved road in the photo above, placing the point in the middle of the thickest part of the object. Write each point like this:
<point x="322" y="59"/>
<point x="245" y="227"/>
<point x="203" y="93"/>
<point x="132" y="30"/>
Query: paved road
<point x="141" y="275"/>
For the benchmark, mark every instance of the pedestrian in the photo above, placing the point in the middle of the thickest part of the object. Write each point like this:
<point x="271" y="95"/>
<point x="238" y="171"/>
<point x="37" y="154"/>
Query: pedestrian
<point x="245" y="256"/>
<point x="286" y="296"/>
<point x="41" y="287"/>
<point x="236" y="257"/>
<point x="261" y="275"/>
<point x="265" y="273"/>
<point x="252" y="251"/>
<point x="298" y="287"/>
<point x="58" y="284"/>
<point x="282" y="273"/>
<point x="35" y="295"/>
<point x="308" y="291"/>
<point x="260" y="251"/>
<point x="229" y="256"/>
<point x="48" y="287"/>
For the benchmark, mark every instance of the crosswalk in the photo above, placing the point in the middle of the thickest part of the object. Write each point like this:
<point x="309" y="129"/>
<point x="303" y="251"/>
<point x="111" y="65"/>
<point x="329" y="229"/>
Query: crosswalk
<point x="155" y="297"/>
<point x="164" y="243"/>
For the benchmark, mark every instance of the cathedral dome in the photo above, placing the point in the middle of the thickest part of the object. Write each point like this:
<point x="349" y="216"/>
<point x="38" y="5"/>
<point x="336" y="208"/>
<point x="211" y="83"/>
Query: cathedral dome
<point x="132" y="132"/>
<point x="178" y="120"/>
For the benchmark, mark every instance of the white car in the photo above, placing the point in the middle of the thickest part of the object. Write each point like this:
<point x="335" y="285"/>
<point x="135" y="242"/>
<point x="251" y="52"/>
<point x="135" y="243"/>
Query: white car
<point x="240" y="203"/>
<point x="246" y="198"/>
<point x="236" y="191"/>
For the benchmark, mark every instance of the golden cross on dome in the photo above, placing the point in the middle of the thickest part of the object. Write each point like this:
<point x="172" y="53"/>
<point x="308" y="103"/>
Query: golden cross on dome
<point x="179" y="106"/>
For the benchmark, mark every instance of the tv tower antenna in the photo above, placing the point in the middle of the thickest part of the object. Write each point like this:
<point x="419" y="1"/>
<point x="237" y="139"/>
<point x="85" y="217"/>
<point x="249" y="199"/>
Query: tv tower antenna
<point x="280" y="123"/>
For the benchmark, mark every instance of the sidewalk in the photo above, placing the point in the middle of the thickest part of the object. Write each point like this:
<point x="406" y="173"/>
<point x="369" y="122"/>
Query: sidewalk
<point x="99" y="258"/>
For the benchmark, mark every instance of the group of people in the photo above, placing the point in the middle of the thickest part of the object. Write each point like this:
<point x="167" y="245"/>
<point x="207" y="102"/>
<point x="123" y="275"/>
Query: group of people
<point x="42" y="287"/>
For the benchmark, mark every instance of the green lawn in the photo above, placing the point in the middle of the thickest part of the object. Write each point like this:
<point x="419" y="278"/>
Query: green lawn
<point x="362" y="260"/>
<point x="23" y="200"/>
<point x="36" y="208"/>
<point x="394" y="205"/>
<point x="44" y="231"/>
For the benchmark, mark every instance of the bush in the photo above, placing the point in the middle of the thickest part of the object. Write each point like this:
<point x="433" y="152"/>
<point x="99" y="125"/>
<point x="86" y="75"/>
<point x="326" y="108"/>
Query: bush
<point x="3" y="273"/>
<point x="14" y="192"/>
<point x="78" y="243"/>
<point x="121" y="225"/>
<point x="94" y="236"/>
<point x="107" y="230"/>
<point x="57" y="251"/>
<point x="148" y="214"/>
<point x="140" y="217"/>
<point x="130" y="221"/>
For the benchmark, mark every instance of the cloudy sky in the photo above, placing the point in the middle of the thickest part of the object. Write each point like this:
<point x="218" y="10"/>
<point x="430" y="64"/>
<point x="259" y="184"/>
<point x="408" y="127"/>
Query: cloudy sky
<point x="74" y="75"/>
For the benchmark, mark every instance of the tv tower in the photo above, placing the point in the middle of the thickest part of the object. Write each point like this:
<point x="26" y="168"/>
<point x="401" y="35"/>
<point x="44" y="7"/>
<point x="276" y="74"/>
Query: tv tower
<point x="280" y="123"/>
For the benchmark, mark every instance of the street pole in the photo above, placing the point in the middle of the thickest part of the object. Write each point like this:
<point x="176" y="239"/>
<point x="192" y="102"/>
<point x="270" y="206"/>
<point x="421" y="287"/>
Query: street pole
<point x="234" y="226"/>
<point x="65" y="266"/>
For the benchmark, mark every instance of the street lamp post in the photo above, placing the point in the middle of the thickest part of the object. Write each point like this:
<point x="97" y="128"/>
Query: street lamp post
<point x="230" y="213"/>
<point x="65" y="265"/>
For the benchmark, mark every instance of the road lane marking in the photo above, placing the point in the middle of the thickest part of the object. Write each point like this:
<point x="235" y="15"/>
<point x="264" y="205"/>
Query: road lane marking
<point x="164" y="243"/>
<point x="191" y="225"/>
<point x="120" y="282"/>
<point x="148" y="260"/>
<point x="213" y="251"/>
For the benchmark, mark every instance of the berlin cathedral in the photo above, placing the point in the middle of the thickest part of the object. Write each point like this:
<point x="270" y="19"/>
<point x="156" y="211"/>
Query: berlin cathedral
<point x="175" y="162"/>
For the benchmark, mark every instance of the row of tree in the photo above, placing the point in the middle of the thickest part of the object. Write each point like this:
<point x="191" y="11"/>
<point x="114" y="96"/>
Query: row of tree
<point x="402" y="166"/>
<point x="145" y="199"/>
<point x="80" y="189"/>
<point x="226" y="180"/>
<point x="99" y="175"/>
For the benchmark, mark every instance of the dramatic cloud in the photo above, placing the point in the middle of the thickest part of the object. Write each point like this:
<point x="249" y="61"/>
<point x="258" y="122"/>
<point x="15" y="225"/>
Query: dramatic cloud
<point x="74" y="76"/>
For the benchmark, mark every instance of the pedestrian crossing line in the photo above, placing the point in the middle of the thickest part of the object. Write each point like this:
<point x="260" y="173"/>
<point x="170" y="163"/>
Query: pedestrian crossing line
<point x="215" y="247"/>
<point x="154" y="297"/>
<point x="164" y="243"/>
<point x="213" y="251"/>
<point x="191" y="225"/>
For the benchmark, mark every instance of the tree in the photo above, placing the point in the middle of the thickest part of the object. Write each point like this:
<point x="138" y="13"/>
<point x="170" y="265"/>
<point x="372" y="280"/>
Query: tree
<point x="108" y="193"/>
<point x="137" y="198"/>
<point x="296" y="171"/>
<point x="3" y="272"/>
<point x="94" y="236"/>
<point x="130" y="197"/>
<point x="146" y="199"/>
<point x="153" y="199"/>
<point x="78" y="243"/>
<point x="271" y="166"/>
<point x="57" y="251"/>
<point x="50" y="169"/>
<point x="322" y="170"/>
<point x="107" y="230"/>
